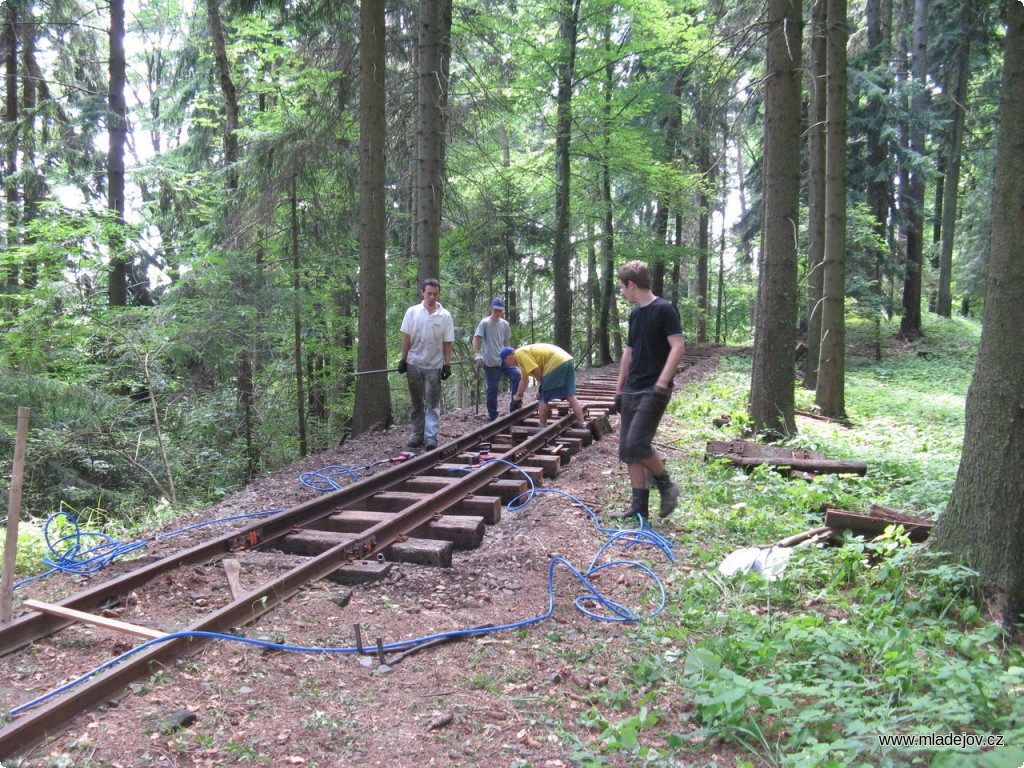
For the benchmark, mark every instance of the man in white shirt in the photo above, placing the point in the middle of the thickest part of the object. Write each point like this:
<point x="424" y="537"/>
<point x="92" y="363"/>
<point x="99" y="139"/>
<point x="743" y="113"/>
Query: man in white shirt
<point x="492" y="334"/>
<point x="427" y="335"/>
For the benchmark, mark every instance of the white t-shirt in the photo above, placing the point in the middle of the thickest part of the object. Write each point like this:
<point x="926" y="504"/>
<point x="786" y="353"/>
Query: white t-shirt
<point x="427" y="333"/>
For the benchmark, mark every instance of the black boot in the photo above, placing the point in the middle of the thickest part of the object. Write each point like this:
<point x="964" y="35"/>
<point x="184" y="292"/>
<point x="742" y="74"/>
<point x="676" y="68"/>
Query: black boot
<point x="638" y="508"/>
<point x="669" y="495"/>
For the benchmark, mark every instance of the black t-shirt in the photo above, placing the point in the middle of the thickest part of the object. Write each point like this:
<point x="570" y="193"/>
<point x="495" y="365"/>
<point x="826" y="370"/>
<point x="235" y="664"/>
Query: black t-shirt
<point x="649" y="329"/>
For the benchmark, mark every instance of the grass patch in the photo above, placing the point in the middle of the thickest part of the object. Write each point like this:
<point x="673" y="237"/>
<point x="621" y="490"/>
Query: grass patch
<point x="868" y="639"/>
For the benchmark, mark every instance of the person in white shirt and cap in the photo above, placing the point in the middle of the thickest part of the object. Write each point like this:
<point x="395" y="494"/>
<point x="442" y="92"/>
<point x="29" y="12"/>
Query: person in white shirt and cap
<point x="493" y="333"/>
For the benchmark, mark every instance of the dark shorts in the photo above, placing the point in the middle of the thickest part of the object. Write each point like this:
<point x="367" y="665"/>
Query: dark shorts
<point x="560" y="383"/>
<point x="637" y="424"/>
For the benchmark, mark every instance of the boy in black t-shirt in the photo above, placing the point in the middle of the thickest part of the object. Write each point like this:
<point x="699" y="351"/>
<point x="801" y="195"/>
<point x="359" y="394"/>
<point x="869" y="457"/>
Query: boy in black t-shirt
<point x="654" y="348"/>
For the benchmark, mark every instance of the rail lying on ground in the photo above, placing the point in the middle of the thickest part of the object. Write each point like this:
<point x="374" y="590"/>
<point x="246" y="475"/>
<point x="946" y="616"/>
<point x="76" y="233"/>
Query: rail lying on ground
<point x="417" y="511"/>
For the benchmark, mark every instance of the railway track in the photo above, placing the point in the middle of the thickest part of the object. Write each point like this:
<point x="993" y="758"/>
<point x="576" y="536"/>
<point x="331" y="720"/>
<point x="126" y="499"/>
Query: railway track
<point x="417" y="510"/>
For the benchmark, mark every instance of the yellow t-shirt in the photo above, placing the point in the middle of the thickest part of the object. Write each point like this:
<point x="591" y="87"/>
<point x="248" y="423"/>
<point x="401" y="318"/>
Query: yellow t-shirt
<point x="547" y="357"/>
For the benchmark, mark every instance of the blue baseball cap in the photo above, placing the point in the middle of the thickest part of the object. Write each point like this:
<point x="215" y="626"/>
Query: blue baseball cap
<point x="506" y="351"/>
<point x="498" y="303"/>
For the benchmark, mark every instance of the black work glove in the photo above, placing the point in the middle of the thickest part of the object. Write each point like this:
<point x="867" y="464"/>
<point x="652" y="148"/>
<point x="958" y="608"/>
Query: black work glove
<point x="660" y="396"/>
<point x="618" y="403"/>
<point x="515" y="405"/>
<point x="446" y="371"/>
<point x="403" y="366"/>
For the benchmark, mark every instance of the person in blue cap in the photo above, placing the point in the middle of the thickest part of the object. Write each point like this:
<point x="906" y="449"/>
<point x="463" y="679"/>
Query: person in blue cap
<point x="493" y="333"/>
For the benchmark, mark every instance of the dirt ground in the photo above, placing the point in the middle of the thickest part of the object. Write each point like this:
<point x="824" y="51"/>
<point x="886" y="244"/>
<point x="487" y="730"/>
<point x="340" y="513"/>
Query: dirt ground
<point x="516" y="697"/>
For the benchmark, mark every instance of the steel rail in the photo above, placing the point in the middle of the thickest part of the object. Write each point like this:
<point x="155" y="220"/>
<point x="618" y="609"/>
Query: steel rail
<point x="32" y="626"/>
<point x="51" y="716"/>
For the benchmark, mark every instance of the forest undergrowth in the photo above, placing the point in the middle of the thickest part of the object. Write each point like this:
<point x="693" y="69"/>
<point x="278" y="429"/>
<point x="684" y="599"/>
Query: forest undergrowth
<point x="850" y="644"/>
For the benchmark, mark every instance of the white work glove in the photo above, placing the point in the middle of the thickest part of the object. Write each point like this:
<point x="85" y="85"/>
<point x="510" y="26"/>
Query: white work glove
<point x="478" y="358"/>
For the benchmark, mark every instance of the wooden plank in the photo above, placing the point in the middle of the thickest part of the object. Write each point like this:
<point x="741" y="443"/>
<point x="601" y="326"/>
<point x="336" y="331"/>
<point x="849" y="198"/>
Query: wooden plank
<point x="13" y="513"/>
<point x="818" y="466"/>
<point x="750" y="449"/>
<point x="418" y="551"/>
<point x="819" y="417"/>
<point x="361" y="572"/>
<point x="421" y="552"/>
<point x="486" y="507"/>
<point x="549" y="465"/>
<point x="232" y="569"/>
<point x="917" y="529"/>
<point x="506" y="490"/>
<point x="90" y="618"/>
<point x="463" y="531"/>
<point x="536" y="473"/>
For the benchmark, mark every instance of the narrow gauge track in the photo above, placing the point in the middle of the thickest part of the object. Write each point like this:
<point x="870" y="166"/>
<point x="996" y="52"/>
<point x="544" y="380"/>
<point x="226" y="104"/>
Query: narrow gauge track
<point x="414" y="511"/>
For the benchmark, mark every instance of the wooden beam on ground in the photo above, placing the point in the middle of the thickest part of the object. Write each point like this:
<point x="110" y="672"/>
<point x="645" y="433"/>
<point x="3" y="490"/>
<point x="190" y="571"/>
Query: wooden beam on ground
<point x="91" y="618"/>
<point x="462" y="530"/>
<point x="873" y="524"/>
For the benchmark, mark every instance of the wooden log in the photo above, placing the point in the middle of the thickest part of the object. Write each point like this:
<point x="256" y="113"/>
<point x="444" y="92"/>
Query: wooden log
<point x="818" y="466"/>
<point x="748" y="449"/>
<point x="462" y="531"/>
<point x="90" y="618"/>
<point x="819" y="417"/>
<point x="798" y="538"/>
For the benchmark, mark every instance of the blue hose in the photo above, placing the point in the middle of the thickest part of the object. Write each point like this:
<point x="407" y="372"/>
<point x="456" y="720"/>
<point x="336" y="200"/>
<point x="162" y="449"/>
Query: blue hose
<point x="589" y="604"/>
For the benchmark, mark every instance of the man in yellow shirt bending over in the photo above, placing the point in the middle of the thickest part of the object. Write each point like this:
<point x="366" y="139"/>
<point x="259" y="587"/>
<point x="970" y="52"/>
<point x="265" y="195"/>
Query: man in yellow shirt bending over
<point x="555" y="372"/>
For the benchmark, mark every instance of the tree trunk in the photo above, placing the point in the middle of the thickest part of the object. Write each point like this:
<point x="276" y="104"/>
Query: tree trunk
<point x="117" y="130"/>
<point x="562" y="256"/>
<point x="771" y="387"/>
<point x="607" y="235"/>
<point x="10" y="49"/>
<point x="300" y="391"/>
<point x="246" y="385"/>
<point x="913" y="200"/>
<point x="878" y="194"/>
<point x="951" y="181"/>
<point x="707" y="166"/>
<point x="830" y="393"/>
<point x="816" y="188"/>
<point x="373" y="396"/>
<point x="434" y="54"/>
<point x="984" y="522"/>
